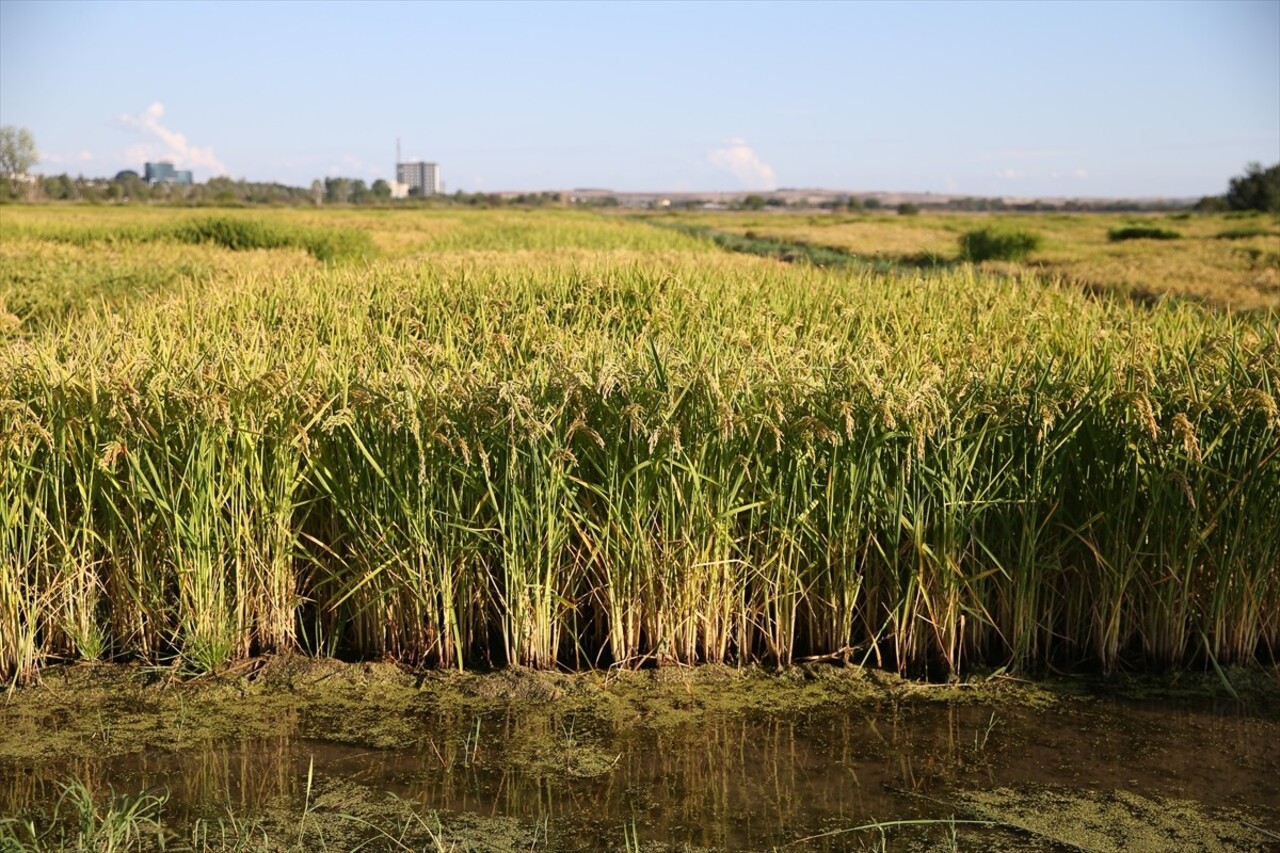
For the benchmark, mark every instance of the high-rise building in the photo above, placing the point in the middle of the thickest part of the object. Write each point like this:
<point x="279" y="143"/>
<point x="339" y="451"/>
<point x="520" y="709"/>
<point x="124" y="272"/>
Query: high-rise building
<point x="424" y="177"/>
<point x="164" y="173"/>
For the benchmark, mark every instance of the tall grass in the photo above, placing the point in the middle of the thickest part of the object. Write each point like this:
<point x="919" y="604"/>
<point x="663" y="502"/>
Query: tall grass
<point x="703" y="459"/>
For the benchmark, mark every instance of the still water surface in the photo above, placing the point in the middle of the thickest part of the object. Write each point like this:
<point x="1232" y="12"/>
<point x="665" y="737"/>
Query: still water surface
<point x="740" y="782"/>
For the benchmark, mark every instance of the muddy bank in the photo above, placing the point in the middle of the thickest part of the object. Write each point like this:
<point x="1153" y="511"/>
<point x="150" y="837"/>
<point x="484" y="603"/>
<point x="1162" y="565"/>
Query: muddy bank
<point x="104" y="710"/>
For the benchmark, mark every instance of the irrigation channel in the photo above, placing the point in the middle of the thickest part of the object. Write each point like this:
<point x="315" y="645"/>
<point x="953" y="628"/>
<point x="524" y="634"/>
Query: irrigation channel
<point x="793" y="250"/>
<point x="297" y="754"/>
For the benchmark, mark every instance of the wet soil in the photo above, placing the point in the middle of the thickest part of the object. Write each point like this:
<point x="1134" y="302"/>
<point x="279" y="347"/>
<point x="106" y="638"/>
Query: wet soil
<point x="293" y="753"/>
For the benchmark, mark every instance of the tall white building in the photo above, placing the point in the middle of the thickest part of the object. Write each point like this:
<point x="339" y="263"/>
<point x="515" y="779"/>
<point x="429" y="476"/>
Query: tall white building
<point x="425" y="177"/>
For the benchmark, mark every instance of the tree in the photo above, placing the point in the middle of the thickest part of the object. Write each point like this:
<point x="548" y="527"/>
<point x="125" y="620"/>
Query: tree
<point x="135" y="189"/>
<point x="17" y="151"/>
<point x="223" y="189"/>
<point x="317" y="192"/>
<point x="381" y="190"/>
<point x="60" y="187"/>
<point x="908" y="209"/>
<point x="1212" y="204"/>
<point x="1256" y="189"/>
<point x="337" y="190"/>
<point x="753" y="202"/>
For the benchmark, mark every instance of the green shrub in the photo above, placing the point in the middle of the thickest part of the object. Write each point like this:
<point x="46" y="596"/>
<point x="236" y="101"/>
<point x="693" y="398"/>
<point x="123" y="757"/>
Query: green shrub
<point x="1141" y="232"/>
<point x="1212" y="204"/>
<point x="997" y="244"/>
<point x="908" y="209"/>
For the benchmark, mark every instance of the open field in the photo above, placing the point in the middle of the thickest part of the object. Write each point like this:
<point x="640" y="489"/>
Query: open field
<point x="559" y="439"/>
<point x="1224" y="260"/>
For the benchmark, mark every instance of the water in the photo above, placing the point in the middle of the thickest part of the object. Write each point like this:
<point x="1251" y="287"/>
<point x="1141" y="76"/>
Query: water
<point x="535" y="774"/>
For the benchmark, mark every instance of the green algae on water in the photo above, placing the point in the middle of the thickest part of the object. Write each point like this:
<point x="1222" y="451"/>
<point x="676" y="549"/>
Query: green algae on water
<point x="1120" y="821"/>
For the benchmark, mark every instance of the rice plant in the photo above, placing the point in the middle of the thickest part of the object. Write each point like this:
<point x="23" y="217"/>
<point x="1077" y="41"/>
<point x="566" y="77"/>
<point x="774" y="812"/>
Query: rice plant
<point x="635" y="450"/>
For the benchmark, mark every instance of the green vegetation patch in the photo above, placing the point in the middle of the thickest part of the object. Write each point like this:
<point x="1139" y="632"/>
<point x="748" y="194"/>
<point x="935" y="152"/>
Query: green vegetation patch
<point x="1245" y="232"/>
<point x="1142" y="232"/>
<point x="230" y="232"/>
<point x="241" y="235"/>
<point x="998" y="244"/>
<point x="1116" y="821"/>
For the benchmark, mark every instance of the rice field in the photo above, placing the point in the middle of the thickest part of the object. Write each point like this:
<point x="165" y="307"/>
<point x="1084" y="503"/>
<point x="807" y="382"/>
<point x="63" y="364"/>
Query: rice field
<point x="1222" y="260"/>
<point x="556" y="439"/>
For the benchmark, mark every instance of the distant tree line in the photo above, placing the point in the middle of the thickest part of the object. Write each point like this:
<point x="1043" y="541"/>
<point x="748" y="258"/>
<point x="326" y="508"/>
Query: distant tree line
<point x="1256" y="189"/>
<point x="128" y="187"/>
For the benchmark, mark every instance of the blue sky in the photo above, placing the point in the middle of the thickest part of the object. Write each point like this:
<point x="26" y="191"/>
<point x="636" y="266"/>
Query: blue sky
<point x="1035" y="98"/>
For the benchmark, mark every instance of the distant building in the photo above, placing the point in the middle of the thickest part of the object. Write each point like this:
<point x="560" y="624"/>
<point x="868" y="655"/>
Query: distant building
<point x="424" y="177"/>
<point x="164" y="173"/>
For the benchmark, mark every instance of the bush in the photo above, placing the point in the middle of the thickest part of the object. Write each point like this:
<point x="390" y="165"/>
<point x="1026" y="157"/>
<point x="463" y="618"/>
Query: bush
<point x="997" y="244"/>
<point x="1141" y="232"/>
<point x="1212" y="204"/>
<point x="908" y="209"/>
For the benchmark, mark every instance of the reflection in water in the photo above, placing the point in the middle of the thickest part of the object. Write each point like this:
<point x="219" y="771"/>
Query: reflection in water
<point x="734" y="781"/>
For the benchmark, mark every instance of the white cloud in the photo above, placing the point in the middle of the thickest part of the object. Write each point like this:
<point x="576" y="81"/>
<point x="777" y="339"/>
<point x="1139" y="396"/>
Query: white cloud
<point x="739" y="160"/>
<point x="85" y="156"/>
<point x="1009" y="175"/>
<point x="166" y="144"/>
